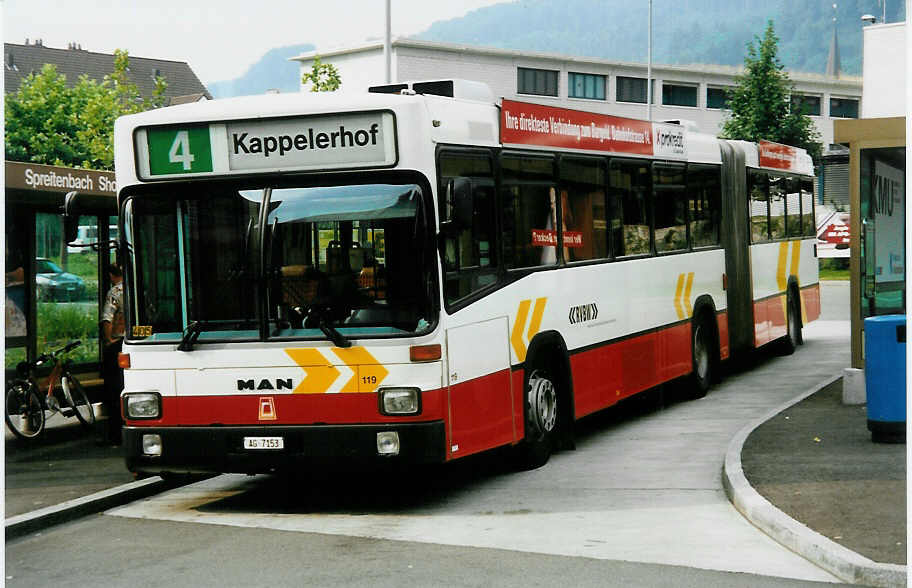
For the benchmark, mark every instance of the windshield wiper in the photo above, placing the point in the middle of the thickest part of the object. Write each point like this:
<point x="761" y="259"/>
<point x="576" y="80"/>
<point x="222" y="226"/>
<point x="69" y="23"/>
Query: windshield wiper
<point x="191" y="334"/>
<point x="335" y="336"/>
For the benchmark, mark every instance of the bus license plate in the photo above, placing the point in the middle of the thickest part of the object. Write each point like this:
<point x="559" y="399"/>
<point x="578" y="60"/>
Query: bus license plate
<point x="264" y="443"/>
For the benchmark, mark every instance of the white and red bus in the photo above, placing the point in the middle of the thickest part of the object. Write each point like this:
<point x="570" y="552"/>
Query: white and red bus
<point x="418" y="274"/>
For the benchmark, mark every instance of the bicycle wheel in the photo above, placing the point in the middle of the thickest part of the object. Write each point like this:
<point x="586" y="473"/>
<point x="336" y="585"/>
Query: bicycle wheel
<point x="24" y="413"/>
<point x="76" y="397"/>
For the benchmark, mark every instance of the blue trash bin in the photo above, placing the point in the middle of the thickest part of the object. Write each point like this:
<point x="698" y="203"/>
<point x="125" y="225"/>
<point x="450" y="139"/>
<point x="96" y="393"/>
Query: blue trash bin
<point x="885" y="377"/>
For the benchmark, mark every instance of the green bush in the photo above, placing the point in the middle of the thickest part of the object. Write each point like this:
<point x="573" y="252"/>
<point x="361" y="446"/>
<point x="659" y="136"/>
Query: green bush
<point x="834" y="263"/>
<point x="13" y="357"/>
<point x="60" y="323"/>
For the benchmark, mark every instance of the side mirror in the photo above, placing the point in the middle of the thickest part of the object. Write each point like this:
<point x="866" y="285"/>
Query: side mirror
<point x="70" y="217"/>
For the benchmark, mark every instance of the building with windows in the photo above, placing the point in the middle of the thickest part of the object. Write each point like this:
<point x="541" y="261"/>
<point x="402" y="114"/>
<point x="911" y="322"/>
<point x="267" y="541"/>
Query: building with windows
<point x="695" y="92"/>
<point x="21" y="60"/>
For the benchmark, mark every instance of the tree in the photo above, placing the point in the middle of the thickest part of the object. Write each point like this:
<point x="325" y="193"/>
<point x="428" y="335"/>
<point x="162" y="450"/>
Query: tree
<point x="761" y="106"/>
<point x="323" y="77"/>
<point x="47" y="122"/>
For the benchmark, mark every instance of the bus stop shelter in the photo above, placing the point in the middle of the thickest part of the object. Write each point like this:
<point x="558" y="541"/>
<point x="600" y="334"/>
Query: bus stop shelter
<point x="877" y="169"/>
<point x="54" y="291"/>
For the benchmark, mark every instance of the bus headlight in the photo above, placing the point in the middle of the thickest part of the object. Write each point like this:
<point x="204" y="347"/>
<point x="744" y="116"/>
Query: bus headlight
<point x="142" y="405"/>
<point x="400" y="401"/>
<point x="388" y="443"/>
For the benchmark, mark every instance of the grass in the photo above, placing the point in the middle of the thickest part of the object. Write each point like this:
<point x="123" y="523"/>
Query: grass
<point x="834" y="274"/>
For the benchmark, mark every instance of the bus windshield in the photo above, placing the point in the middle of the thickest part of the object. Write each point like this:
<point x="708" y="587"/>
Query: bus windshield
<point x="231" y="263"/>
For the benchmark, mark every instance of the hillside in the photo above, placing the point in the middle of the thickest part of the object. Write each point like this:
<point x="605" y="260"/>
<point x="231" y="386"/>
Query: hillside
<point x="272" y="71"/>
<point x="684" y="31"/>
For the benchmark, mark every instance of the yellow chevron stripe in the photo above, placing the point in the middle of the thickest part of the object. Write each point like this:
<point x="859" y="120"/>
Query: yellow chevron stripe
<point x="320" y="373"/>
<point x="537" y="313"/>
<point x="516" y="335"/>
<point x="781" y="266"/>
<point x="677" y="299"/>
<point x="687" y="306"/>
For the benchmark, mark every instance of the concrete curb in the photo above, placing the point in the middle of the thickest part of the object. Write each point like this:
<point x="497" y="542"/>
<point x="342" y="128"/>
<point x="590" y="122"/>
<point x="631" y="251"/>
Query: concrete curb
<point x="29" y="522"/>
<point x="843" y="563"/>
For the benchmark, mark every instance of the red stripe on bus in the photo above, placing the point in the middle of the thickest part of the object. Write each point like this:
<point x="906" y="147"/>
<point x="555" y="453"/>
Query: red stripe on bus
<point x="604" y="375"/>
<point x="290" y="409"/>
<point x="810" y="296"/>
<point x="481" y="414"/>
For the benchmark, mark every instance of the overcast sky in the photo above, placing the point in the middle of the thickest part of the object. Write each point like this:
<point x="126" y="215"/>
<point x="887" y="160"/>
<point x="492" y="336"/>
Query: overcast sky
<point x="220" y="39"/>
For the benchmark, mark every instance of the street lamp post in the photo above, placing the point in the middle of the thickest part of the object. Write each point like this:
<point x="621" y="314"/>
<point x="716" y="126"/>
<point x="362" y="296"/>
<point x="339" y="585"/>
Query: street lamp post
<point x="387" y="44"/>
<point x="649" y="68"/>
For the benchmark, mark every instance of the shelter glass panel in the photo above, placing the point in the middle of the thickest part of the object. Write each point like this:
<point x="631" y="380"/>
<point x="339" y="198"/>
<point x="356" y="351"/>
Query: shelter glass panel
<point x="66" y="288"/>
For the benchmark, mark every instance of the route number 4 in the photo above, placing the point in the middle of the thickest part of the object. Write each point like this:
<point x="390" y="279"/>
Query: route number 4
<point x="180" y="150"/>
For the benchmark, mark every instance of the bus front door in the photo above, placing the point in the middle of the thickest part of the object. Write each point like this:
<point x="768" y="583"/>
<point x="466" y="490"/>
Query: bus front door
<point x="480" y="400"/>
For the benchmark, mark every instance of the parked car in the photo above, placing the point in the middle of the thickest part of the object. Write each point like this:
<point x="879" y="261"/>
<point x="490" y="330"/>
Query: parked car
<point x="55" y="285"/>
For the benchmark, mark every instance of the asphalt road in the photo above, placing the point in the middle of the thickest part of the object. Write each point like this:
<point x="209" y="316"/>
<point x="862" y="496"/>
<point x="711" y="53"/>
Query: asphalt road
<point x="117" y="551"/>
<point x="640" y="502"/>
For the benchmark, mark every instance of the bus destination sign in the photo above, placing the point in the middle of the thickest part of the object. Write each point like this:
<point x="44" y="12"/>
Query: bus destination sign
<point x="345" y="141"/>
<point x="522" y="123"/>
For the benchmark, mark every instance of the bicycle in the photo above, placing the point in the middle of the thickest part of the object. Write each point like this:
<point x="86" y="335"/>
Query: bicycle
<point x="25" y="404"/>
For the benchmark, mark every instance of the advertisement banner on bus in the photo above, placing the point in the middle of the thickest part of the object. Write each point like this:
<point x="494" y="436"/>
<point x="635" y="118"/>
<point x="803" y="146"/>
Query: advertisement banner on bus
<point x="522" y="123"/>
<point x="777" y="156"/>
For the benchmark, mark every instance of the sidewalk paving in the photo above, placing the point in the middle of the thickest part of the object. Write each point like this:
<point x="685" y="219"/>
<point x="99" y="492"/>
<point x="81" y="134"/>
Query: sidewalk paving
<point x="816" y="462"/>
<point x="62" y="464"/>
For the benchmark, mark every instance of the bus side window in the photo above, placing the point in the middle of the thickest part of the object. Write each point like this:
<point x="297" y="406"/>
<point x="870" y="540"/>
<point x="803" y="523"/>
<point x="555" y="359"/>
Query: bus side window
<point x="670" y="207"/>
<point x="583" y="210"/>
<point x="630" y="188"/>
<point x="758" y="188"/>
<point x="793" y="207"/>
<point x="529" y="211"/>
<point x="778" y="206"/>
<point x="704" y="189"/>
<point x="470" y="257"/>
<point x="808" y="222"/>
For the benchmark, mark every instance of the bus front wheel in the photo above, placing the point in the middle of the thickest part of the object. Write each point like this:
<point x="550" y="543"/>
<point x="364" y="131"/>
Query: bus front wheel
<point x="541" y="420"/>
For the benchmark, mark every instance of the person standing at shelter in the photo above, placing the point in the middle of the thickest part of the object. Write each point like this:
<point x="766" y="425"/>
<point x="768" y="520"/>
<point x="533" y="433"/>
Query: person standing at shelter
<point x="112" y="331"/>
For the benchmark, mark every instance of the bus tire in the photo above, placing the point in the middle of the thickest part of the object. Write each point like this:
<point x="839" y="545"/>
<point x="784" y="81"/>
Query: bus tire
<point x="702" y="343"/>
<point x="792" y="338"/>
<point x="541" y="411"/>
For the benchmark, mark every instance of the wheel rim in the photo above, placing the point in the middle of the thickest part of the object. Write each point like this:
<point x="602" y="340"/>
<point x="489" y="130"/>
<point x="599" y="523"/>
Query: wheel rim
<point x="701" y="353"/>
<point x="542" y="399"/>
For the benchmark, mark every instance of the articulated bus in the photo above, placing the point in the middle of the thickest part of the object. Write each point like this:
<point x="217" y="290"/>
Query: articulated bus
<point x="419" y="273"/>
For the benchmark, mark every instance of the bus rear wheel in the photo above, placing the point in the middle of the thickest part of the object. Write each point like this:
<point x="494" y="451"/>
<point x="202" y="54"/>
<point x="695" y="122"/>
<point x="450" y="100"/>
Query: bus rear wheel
<point x="792" y="338"/>
<point x="702" y="361"/>
<point x="541" y="420"/>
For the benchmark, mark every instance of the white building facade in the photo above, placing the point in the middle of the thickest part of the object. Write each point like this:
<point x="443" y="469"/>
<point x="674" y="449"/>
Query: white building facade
<point x="885" y="70"/>
<point x="693" y="93"/>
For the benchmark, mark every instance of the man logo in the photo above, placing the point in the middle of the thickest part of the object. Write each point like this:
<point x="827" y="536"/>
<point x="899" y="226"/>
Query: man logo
<point x="267" y="408"/>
